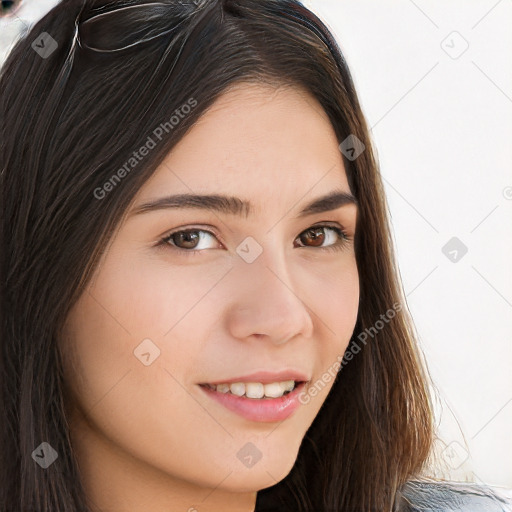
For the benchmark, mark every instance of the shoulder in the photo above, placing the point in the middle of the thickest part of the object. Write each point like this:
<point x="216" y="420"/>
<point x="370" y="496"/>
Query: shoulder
<point x="443" y="496"/>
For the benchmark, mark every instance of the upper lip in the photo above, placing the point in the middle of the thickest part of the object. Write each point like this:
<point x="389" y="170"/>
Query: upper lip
<point x="265" y="377"/>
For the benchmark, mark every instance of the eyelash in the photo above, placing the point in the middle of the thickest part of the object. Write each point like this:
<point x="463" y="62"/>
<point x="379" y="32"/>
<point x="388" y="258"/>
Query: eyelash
<point x="338" y="246"/>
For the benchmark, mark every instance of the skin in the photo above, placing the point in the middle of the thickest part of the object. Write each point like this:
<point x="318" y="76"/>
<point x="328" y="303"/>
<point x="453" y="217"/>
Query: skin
<point x="148" y="437"/>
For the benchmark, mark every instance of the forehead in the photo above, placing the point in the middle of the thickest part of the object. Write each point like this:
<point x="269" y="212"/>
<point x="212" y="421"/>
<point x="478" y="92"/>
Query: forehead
<point x="255" y="141"/>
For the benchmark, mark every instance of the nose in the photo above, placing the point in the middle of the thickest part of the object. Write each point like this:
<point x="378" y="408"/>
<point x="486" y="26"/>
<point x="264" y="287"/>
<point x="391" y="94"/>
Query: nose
<point x="268" y="305"/>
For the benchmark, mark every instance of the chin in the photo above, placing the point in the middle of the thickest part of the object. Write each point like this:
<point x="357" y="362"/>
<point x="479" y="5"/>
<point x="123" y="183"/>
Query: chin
<point x="253" y="480"/>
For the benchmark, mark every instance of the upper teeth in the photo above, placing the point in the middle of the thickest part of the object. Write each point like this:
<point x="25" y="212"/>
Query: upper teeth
<point x="256" y="389"/>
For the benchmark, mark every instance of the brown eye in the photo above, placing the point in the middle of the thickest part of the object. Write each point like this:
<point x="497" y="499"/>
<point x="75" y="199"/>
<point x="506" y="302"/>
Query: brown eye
<point x="188" y="239"/>
<point x="185" y="239"/>
<point x="314" y="235"/>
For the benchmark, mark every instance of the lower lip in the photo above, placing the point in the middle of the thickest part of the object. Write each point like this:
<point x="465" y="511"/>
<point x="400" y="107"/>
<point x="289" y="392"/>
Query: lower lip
<point x="259" y="409"/>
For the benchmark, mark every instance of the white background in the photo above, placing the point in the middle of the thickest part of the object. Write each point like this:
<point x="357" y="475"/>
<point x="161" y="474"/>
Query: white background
<point x="441" y="120"/>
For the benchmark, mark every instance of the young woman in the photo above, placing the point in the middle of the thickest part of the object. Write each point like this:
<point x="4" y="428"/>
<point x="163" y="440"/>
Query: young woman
<point x="201" y="309"/>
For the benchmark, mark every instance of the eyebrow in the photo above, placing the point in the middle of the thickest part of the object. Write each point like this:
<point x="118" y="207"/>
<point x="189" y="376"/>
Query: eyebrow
<point x="235" y="206"/>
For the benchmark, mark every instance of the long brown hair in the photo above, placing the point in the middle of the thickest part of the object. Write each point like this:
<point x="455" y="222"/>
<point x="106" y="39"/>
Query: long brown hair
<point x="71" y="115"/>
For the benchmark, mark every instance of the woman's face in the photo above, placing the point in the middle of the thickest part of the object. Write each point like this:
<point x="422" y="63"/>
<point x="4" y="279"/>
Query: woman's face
<point x="249" y="291"/>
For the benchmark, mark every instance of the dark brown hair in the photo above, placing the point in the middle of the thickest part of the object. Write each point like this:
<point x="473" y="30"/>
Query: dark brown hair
<point x="70" y="119"/>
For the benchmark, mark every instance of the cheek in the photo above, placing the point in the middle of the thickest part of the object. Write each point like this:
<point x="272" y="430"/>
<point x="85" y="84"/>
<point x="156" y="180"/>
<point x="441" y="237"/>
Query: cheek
<point x="148" y="296"/>
<point x="335" y="304"/>
<point x="340" y="297"/>
<point x="139" y="407"/>
<point x="335" y="299"/>
<point x="131" y="308"/>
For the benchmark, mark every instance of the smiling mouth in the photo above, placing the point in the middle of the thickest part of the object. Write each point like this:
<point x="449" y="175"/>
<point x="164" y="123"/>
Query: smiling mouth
<point x="258" y="407"/>
<point x="255" y="390"/>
